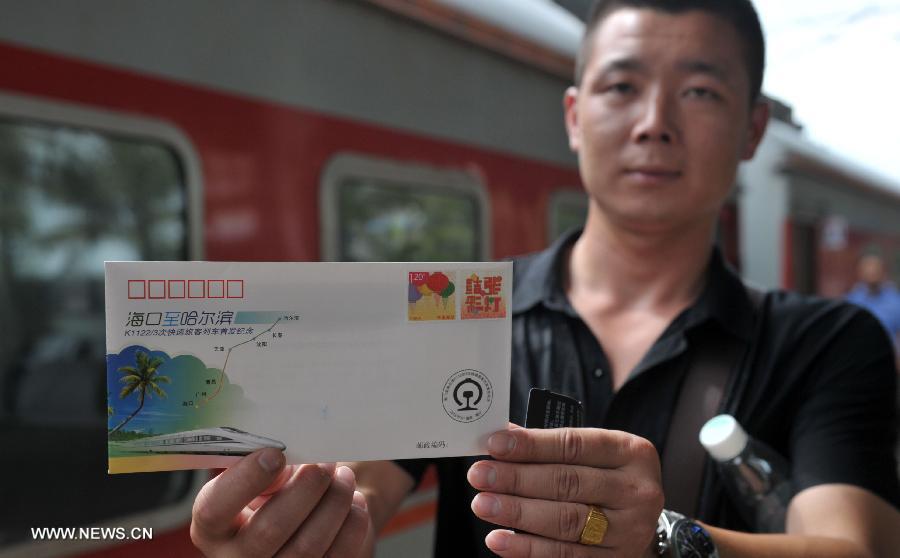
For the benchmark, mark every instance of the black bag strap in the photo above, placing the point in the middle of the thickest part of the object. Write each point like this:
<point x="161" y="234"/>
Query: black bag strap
<point x="700" y="399"/>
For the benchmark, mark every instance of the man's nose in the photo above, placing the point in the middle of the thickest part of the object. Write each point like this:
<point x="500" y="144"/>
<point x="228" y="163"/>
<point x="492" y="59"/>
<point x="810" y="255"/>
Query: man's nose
<point x="657" y="120"/>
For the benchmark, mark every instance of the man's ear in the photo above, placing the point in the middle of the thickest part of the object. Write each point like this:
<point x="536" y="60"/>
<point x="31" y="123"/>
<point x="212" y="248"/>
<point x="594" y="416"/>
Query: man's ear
<point x="759" y="120"/>
<point x="570" y="107"/>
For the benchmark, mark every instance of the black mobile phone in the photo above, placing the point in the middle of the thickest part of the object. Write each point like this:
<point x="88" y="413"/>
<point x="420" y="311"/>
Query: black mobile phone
<point x="547" y="409"/>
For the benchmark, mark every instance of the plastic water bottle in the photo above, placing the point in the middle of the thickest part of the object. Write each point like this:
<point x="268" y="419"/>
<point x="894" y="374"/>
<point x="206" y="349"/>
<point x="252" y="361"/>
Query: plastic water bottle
<point x="756" y="476"/>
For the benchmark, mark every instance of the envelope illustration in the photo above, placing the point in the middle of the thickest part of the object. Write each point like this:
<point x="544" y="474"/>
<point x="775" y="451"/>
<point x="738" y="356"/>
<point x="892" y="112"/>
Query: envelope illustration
<point x="210" y="361"/>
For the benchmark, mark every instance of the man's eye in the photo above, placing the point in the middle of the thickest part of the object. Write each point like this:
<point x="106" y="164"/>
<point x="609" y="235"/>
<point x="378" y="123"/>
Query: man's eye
<point x="702" y="93"/>
<point x="621" y="88"/>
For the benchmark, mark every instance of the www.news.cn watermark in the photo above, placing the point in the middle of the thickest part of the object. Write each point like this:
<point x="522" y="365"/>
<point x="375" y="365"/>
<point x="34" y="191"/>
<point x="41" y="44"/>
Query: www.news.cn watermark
<point x="91" y="533"/>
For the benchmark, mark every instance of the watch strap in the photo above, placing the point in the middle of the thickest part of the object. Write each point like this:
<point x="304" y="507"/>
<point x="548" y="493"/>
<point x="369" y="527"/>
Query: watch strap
<point x="668" y="523"/>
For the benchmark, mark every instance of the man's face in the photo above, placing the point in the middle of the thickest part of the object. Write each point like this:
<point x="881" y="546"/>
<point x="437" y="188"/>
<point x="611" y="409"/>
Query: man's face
<point x="661" y="119"/>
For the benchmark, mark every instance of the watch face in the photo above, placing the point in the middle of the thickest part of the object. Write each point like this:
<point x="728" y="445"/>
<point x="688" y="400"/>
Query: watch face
<point x="690" y="540"/>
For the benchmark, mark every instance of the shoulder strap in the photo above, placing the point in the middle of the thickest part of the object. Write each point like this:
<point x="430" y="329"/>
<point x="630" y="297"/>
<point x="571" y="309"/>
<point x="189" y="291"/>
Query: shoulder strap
<point x="699" y="400"/>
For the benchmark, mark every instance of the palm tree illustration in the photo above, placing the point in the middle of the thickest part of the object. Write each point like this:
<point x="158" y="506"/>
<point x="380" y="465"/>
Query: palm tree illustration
<point x="142" y="380"/>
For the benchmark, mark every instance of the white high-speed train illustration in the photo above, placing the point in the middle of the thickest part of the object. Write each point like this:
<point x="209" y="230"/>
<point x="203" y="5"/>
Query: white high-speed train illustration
<point x="222" y="440"/>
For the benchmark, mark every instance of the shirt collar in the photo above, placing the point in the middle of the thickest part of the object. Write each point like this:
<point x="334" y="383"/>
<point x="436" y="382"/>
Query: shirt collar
<point x="541" y="281"/>
<point x="724" y="297"/>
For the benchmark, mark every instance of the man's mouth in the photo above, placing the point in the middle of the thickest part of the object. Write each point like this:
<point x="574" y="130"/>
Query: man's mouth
<point x="653" y="174"/>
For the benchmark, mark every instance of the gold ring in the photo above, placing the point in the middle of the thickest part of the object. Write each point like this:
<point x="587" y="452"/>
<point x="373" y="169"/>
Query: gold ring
<point x="595" y="527"/>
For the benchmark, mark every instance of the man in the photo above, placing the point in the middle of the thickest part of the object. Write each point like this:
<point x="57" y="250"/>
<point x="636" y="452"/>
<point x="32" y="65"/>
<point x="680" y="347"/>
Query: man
<point x="877" y="295"/>
<point x="664" y="108"/>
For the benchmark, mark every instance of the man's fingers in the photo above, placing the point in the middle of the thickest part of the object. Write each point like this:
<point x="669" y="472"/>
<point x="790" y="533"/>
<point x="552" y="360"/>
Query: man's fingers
<point x="555" y="520"/>
<point x="610" y="488"/>
<point x="564" y="522"/>
<point x="521" y="545"/>
<point x="352" y="536"/>
<point x="222" y="499"/>
<point x="317" y="533"/>
<point x="272" y="525"/>
<point x="258" y="502"/>
<point x="593" y="447"/>
<point x="279" y="482"/>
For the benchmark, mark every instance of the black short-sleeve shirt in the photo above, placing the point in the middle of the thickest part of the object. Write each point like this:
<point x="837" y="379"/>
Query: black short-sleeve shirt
<point x="817" y="384"/>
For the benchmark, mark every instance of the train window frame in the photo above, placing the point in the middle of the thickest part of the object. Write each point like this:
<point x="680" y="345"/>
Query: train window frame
<point x="58" y="113"/>
<point x="344" y="165"/>
<point x="558" y="198"/>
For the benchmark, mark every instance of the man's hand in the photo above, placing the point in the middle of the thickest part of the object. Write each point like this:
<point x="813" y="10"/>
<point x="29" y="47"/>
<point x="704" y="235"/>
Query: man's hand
<point x="544" y="481"/>
<point x="259" y="507"/>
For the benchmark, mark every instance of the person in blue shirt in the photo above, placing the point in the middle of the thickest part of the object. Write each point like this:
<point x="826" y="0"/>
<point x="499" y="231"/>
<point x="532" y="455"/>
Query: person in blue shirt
<point x="877" y="294"/>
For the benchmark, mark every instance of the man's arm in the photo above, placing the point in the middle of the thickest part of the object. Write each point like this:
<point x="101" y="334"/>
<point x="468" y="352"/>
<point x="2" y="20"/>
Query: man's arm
<point x="831" y="520"/>
<point x="259" y="508"/>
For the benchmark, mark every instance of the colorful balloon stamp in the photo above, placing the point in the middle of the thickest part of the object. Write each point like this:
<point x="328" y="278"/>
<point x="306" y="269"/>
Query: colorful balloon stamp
<point x="431" y="295"/>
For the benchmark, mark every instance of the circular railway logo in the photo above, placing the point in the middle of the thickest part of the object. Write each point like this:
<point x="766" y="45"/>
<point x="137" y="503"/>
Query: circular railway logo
<point x="467" y="395"/>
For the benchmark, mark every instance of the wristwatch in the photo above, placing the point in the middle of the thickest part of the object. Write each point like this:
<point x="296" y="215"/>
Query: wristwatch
<point x="680" y="537"/>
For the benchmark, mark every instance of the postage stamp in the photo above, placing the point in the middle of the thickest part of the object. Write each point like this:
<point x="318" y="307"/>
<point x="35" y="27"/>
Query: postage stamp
<point x="432" y="295"/>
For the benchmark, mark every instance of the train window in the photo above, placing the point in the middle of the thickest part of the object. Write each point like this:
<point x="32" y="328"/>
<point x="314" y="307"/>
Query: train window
<point x="386" y="211"/>
<point x="71" y="198"/>
<point x="567" y="210"/>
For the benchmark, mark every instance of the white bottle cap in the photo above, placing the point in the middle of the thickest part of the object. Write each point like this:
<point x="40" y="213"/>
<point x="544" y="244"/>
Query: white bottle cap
<point x="723" y="437"/>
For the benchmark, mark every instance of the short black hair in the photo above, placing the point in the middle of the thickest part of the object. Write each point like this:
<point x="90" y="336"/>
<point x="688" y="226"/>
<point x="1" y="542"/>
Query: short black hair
<point x="739" y="13"/>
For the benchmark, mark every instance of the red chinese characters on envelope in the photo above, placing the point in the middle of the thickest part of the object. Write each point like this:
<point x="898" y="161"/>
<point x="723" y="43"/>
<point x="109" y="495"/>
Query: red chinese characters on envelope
<point x="484" y="297"/>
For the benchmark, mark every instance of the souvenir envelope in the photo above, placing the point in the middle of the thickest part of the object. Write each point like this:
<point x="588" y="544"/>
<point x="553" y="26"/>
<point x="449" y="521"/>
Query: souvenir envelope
<point x="210" y="361"/>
